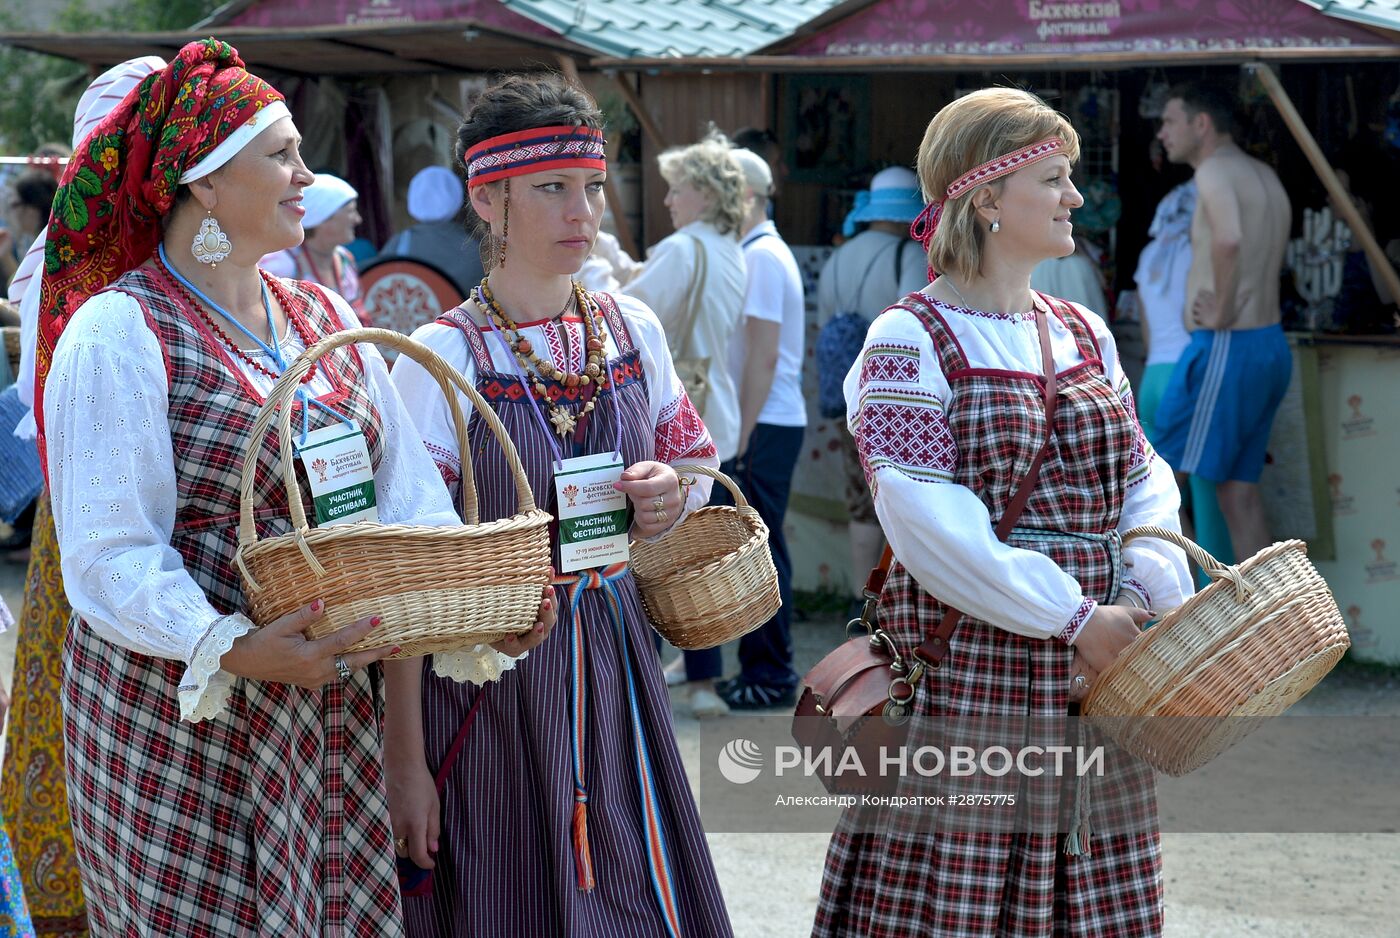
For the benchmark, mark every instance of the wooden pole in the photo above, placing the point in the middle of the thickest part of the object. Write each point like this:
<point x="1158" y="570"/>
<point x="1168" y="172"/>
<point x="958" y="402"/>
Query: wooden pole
<point x="625" y="236"/>
<point x="1341" y="199"/>
<point x="658" y="139"/>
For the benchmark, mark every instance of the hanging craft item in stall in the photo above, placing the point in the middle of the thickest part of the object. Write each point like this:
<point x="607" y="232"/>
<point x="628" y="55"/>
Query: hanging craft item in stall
<point x="1317" y="258"/>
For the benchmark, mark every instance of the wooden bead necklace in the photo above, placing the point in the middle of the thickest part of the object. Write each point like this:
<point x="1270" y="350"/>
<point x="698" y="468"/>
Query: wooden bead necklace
<point x="537" y="369"/>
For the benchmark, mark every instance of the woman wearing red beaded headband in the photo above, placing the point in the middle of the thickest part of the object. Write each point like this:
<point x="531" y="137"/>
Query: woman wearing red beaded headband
<point x="223" y="779"/>
<point x="948" y="405"/>
<point x="551" y="799"/>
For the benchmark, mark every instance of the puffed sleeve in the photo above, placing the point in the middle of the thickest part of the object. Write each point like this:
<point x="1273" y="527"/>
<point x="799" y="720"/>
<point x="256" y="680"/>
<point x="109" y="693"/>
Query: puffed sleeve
<point x="896" y="397"/>
<point x="112" y="477"/>
<point x="679" y="435"/>
<point x="432" y="417"/>
<point x="1155" y="571"/>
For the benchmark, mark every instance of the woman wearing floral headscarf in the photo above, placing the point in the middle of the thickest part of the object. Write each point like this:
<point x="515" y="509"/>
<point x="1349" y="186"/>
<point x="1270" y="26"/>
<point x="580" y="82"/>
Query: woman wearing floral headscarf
<point x="222" y="778"/>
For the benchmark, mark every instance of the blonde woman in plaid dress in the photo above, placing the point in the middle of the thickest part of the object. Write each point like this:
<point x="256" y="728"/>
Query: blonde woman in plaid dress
<point x="946" y="404"/>
<point x="223" y="779"/>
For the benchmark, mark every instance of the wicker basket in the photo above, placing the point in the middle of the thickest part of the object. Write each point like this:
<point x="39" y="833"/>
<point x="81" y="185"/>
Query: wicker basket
<point x="1250" y="644"/>
<point x="436" y="588"/>
<point x="712" y="579"/>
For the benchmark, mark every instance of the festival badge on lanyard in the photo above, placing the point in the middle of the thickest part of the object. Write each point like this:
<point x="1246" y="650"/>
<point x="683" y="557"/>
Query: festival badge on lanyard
<point x="592" y="514"/>
<point x="336" y="459"/>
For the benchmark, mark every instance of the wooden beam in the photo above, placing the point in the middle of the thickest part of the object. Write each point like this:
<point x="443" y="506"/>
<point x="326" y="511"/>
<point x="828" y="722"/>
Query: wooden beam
<point x="658" y="139"/>
<point x="626" y="237"/>
<point x="1341" y="198"/>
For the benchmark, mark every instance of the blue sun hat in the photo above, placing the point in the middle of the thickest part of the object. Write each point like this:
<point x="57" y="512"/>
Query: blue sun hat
<point x="893" y="196"/>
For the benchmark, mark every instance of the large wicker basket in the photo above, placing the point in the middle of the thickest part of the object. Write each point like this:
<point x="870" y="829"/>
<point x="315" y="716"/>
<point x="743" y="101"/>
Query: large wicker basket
<point x="436" y="588"/>
<point x="1249" y="645"/>
<point x="712" y="579"/>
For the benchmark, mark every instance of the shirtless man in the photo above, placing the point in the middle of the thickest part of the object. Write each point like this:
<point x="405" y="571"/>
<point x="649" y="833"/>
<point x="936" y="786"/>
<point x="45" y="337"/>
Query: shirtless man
<point x="1217" y="412"/>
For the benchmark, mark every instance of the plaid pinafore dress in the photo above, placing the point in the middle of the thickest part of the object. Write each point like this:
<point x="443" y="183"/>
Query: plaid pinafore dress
<point x="894" y="879"/>
<point x="270" y="818"/>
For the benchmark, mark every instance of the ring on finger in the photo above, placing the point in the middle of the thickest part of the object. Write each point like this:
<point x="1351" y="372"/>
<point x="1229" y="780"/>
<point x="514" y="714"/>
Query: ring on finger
<point x="401" y="846"/>
<point x="343" y="670"/>
<point x="660" y="516"/>
<point x="658" y="504"/>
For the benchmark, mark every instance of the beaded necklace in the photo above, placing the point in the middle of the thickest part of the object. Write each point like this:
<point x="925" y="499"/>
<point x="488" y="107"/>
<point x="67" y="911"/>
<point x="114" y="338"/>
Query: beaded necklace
<point x="536" y="369"/>
<point x="301" y="328"/>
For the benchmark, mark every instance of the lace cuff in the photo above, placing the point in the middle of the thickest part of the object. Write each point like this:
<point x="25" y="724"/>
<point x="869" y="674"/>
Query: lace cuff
<point x="204" y="688"/>
<point x="477" y="664"/>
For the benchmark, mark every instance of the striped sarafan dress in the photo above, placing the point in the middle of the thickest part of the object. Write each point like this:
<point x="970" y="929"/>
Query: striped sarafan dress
<point x="948" y="411"/>
<point x="506" y="866"/>
<point x="268" y="817"/>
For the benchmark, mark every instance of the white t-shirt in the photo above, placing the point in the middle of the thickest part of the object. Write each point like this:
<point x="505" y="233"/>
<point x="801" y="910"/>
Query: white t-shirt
<point x="860" y="276"/>
<point x="774" y="293"/>
<point x="664" y="284"/>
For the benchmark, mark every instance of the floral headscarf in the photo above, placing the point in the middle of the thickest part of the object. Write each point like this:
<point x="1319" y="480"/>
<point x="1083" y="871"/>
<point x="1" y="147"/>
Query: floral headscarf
<point x="122" y="180"/>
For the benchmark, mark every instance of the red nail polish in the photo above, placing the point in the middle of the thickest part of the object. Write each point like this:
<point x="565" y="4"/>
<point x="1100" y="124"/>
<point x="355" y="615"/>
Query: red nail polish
<point x="396" y="649"/>
<point x="315" y="605"/>
<point x="375" y="621"/>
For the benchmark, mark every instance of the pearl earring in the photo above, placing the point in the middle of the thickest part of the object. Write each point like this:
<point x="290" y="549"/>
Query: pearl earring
<point x="211" y="245"/>
<point x="996" y="226"/>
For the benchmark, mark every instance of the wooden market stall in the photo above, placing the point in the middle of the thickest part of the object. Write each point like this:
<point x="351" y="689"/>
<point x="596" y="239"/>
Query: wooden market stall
<point x="852" y="90"/>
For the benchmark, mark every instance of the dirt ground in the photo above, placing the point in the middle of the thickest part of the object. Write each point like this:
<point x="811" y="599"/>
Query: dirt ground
<point x="1217" y="885"/>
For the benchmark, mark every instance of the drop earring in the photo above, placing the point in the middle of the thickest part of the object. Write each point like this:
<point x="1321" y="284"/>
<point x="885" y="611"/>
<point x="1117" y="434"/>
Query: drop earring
<point x="211" y="245"/>
<point x="996" y="226"/>
<point x="505" y="228"/>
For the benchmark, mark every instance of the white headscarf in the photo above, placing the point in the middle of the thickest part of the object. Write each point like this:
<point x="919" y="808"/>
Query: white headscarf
<point x="104" y="94"/>
<point x="435" y="194"/>
<point x="323" y="198"/>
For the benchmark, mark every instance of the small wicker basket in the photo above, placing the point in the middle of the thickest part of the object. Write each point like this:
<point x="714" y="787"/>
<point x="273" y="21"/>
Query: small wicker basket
<point x="436" y="588"/>
<point x="711" y="580"/>
<point x="1249" y="645"/>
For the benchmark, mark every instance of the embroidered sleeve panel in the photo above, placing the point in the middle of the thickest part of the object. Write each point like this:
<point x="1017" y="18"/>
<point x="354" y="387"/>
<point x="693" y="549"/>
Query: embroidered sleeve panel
<point x="681" y="436"/>
<point x="1081" y="615"/>
<point x="901" y="424"/>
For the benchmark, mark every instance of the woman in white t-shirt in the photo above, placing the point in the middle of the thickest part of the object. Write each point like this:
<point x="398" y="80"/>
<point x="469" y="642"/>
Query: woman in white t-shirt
<point x="698" y="274"/>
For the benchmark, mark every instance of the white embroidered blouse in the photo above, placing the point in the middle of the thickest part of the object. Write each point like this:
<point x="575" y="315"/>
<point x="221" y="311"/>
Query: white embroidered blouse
<point x="939" y="529"/>
<point x="680" y="436"/>
<point x="112" y="475"/>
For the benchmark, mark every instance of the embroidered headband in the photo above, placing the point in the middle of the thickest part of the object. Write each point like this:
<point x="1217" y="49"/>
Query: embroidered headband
<point x="534" y="151"/>
<point x="927" y="223"/>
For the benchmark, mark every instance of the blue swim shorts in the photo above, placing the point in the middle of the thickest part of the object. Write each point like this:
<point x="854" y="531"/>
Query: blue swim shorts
<point x="1218" y="409"/>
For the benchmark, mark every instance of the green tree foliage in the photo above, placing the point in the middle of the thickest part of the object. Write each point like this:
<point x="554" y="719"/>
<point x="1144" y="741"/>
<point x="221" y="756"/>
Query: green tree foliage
<point x="38" y="93"/>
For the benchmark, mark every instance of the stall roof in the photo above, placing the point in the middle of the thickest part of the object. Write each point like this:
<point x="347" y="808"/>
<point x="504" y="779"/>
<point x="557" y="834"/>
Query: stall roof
<point x="672" y="28"/>
<point x="1380" y="14"/>
<point x="339" y="37"/>
<point x="368" y="49"/>
<point x="1082" y="34"/>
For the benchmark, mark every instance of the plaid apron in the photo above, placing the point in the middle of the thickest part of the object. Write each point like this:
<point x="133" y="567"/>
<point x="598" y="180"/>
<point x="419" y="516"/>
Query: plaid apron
<point x="270" y="818"/>
<point x="904" y="880"/>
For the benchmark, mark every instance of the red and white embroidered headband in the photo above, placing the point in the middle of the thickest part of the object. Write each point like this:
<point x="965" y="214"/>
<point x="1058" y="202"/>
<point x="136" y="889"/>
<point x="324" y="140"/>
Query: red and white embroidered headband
<point x="534" y="151"/>
<point x="927" y="223"/>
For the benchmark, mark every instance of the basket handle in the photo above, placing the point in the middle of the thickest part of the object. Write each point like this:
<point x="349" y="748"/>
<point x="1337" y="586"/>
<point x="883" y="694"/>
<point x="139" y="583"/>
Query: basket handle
<point x="1212" y="567"/>
<point x="720" y="477"/>
<point x="276" y="407"/>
